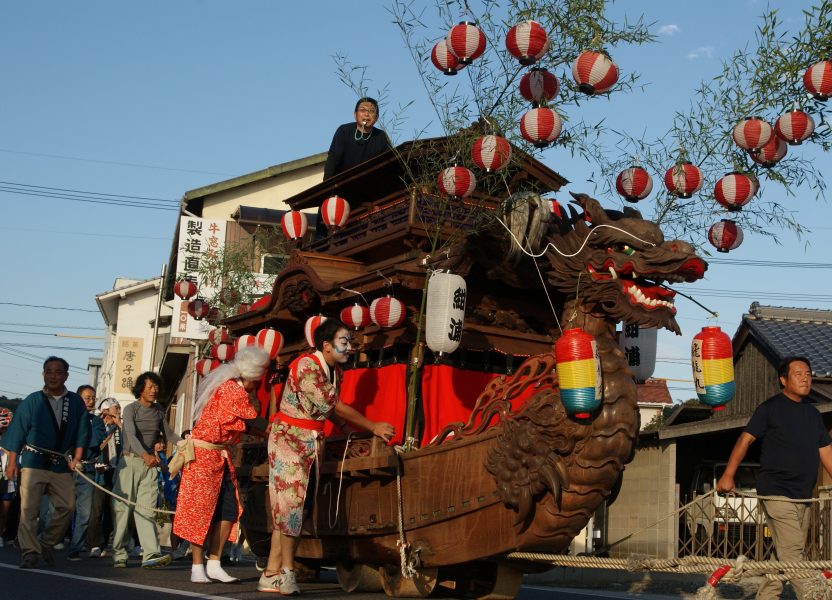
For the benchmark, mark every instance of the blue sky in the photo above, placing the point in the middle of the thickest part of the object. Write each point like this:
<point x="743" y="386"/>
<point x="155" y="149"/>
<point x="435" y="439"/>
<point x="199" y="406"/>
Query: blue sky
<point x="154" y="98"/>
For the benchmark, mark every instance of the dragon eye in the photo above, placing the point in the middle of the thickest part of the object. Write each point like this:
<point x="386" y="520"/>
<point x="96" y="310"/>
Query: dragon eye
<point x="626" y="249"/>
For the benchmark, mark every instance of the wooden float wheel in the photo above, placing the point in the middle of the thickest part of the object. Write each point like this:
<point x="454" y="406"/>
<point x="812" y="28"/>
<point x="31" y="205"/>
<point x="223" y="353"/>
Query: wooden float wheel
<point x="306" y="571"/>
<point x="484" y="580"/>
<point x="506" y="582"/>
<point x="358" y="577"/>
<point x="397" y="586"/>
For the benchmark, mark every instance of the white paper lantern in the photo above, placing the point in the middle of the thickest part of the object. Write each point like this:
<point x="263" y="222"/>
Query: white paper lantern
<point x="639" y="347"/>
<point x="445" y="311"/>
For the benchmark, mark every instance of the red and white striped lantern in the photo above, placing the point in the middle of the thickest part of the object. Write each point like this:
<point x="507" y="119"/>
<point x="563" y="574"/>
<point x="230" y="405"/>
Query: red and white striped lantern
<point x="219" y="335"/>
<point x="735" y="190"/>
<point x="309" y="328"/>
<point x="206" y="365"/>
<point x="198" y="308"/>
<point x="818" y="80"/>
<point x="294" y="224"/>
<point x="770" y="154"/>
<point x="223" y="352"/>
<point x="491" y="152"/>
<point x="185" y="289"/>
<point x="527" y="42"/>
<point x="356" y="316"/>
<point x="683" y="180"/>
<point x="752" y="134"/>
<point x="444" y="60"/>
<point x="541" y="126"/>
<point x="335" y="211"/>
<point x="466" y="42"/>
<point x="457" y="182"/>
<point x="725" y="235"/>
<point x="794" y="127"/>
<point x="539" y="86"/>
<point x="271" y="340"/>
<point x="634" y="184"/>
<point x="244" y="341"/>
<point x="387" y="312"/>
<point x="594" y="72"/>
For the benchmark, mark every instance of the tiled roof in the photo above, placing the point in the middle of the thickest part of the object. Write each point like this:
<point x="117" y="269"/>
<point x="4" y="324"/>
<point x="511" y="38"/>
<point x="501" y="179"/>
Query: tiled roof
<point x="653" y="391"/>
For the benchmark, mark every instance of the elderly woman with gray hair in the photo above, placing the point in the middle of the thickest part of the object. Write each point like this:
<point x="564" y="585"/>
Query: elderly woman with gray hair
<point x="208" y="510"/>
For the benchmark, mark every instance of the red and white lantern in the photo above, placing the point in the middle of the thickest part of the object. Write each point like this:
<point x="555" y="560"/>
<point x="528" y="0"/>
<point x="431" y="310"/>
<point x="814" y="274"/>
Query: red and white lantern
<point x="794" y="127"/>
<point x="294" y="224"/>
<point x="818" y="80"/>
<point x="387" y="312"/>
<point x="219" y="335"/>
<point x="527" y="42"/>
<point x="444" y="60"/>
<point x="466" y="42"/>
<point x="752" y="134"/>
<point x="539" y="86"/>
<point x="335" y="211"/>
<point x="725" y="235"/>
<point x="634" y="183"/>
<point x="206" y="365"/>
<point x="541" y="126"/>
<point x="244" y="341"/>
<point x="770" y="154"/>
<point x="594" y="72"/>
<point x="271" y="340"/>
<point x="309" y="328"/>
<point x="457" y="182"/>
<point x="185" y="289"/>
<point x="356" y="316"/>
<point x="491" y="152"/>
<point x="223" y="352"/>
<point x="735" y="190"/>
<point x="198" y="308"/>
<point x="683" y="180"/>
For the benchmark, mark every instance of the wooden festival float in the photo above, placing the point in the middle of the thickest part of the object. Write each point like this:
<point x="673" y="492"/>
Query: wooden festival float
<point x="499" y="465"/>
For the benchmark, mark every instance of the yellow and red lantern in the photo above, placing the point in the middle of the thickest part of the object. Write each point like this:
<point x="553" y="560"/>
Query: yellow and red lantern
<point x="223" y="352"/>
<point x="206" y="365"/>
<point x="444" y="60"/>
<point x="491" y="152"/>
<point x="356" y="316"/>
<point x="198" y="308"/>
<point x="735" y="190"/>
<point x="579" y="373"/>
<point x="457" y="182"/>
<point x="713" y="367"/>
<point x="219" y="335"/>
<point x="752" y="134"/>
<point x="335" y="211"/>
<point x="770" y="154"/>
<point x="725" y="235"/>
<point x="634" y="184"/>
<point x="271" y="340"/>
<point x="539" y="86"/>
<point x="185" y="289"/>
<point x="794" y="127"/>
<point x="527" y="42"/>
<point x="683" y="179"/>
<point x="309" y="328"/>
<point x="387" y="312"/>
<point x="540" y="126"/>
<point x="594" y="72"/>
<point x="243" y="341"/>
<point x="294" y="224"/>
<point x="818" y="80"/>
<point x="466" y="42"/>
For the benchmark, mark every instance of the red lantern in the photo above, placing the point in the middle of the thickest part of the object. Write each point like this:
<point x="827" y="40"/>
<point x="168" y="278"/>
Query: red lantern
<point x="243" y="341"/>
<point x="387" y="312"/>
<point x="219" y="335"/>
<point x="223" y="352"/>
<point x="725" y="235"/>
<point x="444" y="60"/>
<point x="752" y="134"/>
<point x="309" y="328"/>
<point x="214" y="315"/>
<point x="594" y="72"/>
<point x="683" y="180"/>
<point x="818" y="80"/>
<point x="294" y="224"/>
<point x="770" y="154"/>
<point x="735" y="190"/>
<point x="457" y="182"/>
<point x="538" y="86"/>
<point x="491" y="152"/>
<point x="794" y="127"/>
<point x="540" y="126"/>
<point x="579" y="373"/>
<point x="634" y="183"/>
<point x="335" y="211"/>
<point x="356" y="316"/>
<point x="206" y="365"/>
<point x="198" y="308"/>
<point x="466" y="42"/>
<point x="185" y="289"/>
<point x="527" y="42"/>
<point x="271" y="340"/>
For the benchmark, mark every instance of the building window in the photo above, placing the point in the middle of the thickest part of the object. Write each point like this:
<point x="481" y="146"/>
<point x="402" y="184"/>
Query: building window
<point x="271" y="264"/>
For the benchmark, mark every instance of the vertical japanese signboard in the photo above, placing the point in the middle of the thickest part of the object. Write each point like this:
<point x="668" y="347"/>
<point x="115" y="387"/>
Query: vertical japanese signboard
<point x="198" y="239"/>
<point x="128" y="363"/>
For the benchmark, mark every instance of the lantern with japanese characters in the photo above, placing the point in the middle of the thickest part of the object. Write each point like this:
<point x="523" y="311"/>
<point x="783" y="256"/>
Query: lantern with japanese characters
<point x="735" y="190"/>
<point x="491" y="152"/>
<point x="538" y="86"/>
<point x="752" y="134"/>
<point x="725" y="235"/>
<point x="219" y="335"/>
<point x="457" y="182"/>
<point x="713" y="367"/>
<point x="223" y="352"/>
<point x="794" y="127"/>
<point x="540" y="126"/>
<point x="594" y="72"/>
<point x="444" y="60"/>
<point x="527" y="42"/>
<point x="683" y="180"/>
<point x="770" y="154"/>
<point x="271" y="340"/>
<point x="206" y="365"/>
<point x="243" y="341"/>
<point x="198" y="308"/>
<point x="335" y="211"/>
<point x="818" y="80"/>
<point x="185" y="289"/>
<point x="356" y="316"/>
<point x="639" y="347"/>
<point x="387" y="312"/>
<point x="294" y="224"/>
<point x="309" y="328"/>
<point x="579" y="373"/>
<point x="445" y="311"/>
<point x="634" y="184"/>
<point x="466" y="42"/>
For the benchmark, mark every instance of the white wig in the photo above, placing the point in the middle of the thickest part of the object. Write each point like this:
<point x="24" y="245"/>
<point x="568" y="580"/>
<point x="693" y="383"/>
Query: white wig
<point x="249" y="363"/>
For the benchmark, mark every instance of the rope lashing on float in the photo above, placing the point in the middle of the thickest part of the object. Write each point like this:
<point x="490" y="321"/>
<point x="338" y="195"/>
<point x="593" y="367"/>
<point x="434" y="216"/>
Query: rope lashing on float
<point x="408" y="558"/>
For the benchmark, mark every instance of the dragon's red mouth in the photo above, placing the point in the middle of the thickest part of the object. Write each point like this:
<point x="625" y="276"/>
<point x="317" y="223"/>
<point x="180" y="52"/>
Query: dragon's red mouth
<point x="649" y="297"/>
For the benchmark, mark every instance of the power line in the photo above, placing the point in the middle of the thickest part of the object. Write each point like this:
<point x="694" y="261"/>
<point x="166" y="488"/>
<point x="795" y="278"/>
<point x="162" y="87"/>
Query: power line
<point x="50" y="307"/>
<point x="89" y="200"/>
<point x="78" y="348"/>
<point x="35" y="358"/>
<point x="87" y="233"/>
<point x="769" y="263"/>
<point x="107" y="195"/>
<point x="19" y="394"/>
<point x="49" y="326"/>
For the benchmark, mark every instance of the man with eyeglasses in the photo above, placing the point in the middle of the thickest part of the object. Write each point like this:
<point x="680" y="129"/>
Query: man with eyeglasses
<point x="356" y="142"/>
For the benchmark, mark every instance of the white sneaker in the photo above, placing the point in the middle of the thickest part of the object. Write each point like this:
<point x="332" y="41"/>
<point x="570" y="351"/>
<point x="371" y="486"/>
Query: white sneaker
<point x="288" y="585"/>
<point x="95" y="552"/>
<point x="269" y="583"/>
<point x="59" y="546"/>
<point x="198" y="574"/>
<point x="215" y="571"/>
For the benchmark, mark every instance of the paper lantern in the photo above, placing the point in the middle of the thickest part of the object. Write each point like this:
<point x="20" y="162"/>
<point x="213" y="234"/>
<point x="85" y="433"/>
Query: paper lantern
<point x="445" y="311"/>
<point x="294" y="224"/>
<point x="219" y="335"/>
<point x="335" y="211"/>
<point x="770" y="154"/>
<point x="356" y="316"/>
<point x="206" y="365"/>
<point x="491" y="152"/>
<point x="309" y="328"/>
<point x="594" y="72"/>
<point x="725" y="235"/>
<point x="639" y="347"/>
<point x="555" y="209"/>
<point x="214" y="315"/>
<point x="683" y="180"/>
<point x="185" y="289"/>
<point x="540" y="126"/>
<point x="818" y="80"/>
<point x="579" y="373"/>
<point x="223" y="352"/>
<point x="752" y="134"/>
<point x="271" y="340"/>
<point x="466" y="42"/>
<point x="444" y="60"/>
<point x="794" y="127"/>
<point x="735" y="190"/>
<point x="387" y="312"/>
<point x="539" y="86"/>
<point x="457" y="182"/>
<point x="198" y="308"/>
<point x="634" y="183"/>
<point x="527" y="42"/>
<point x="713" y="367"/>
<point x="243" y="341"/>
<point x="243" y="307"/>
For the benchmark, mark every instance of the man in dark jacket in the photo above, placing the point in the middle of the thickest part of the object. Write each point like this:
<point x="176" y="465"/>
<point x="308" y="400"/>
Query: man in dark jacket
<point x="357" y="142"/>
